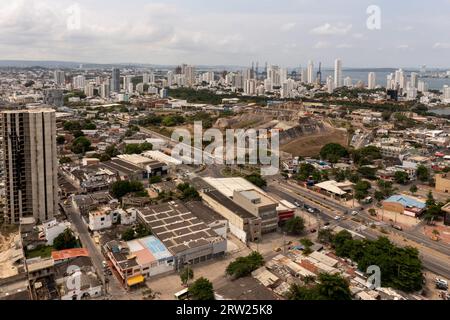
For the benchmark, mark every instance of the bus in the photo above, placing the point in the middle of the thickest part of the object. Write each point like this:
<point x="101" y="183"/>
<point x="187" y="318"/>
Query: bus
<point x="182" y="295"/>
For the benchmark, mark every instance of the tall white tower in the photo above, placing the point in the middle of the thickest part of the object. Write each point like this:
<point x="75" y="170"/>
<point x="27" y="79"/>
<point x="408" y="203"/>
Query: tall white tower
<point x="310" y="72"/>
<point x="372" y="81"/>
<point x="337" y="73"/>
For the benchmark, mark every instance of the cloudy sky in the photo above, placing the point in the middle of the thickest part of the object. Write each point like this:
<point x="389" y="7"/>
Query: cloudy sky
<point x="234" y="32"/>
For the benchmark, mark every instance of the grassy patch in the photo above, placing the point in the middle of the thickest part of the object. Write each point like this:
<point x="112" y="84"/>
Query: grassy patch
<point x="41" y="251"/>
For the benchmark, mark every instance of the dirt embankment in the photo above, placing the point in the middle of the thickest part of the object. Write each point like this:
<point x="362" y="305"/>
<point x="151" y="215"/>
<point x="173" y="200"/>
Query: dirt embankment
<point x="311" y="144"/>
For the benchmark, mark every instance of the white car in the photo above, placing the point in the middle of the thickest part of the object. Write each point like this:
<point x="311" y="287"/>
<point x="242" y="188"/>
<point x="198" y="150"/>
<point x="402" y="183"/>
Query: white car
<point x="337" y="218"/>
<point x="355" y="213"/>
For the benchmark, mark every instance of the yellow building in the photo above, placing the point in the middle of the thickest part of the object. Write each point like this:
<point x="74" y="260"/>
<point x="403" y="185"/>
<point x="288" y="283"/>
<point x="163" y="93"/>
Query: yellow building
<point x="443" y="182"/>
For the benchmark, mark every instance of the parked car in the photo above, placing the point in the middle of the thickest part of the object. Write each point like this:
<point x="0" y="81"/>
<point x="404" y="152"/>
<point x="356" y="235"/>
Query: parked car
<point x="337" y="218"/>
<point x="355" y="213"/>
<point x="397" y="227"/>
<point x="441" y="284"/>
<point x="313" y="230"/>
<point x="326" y="223"/>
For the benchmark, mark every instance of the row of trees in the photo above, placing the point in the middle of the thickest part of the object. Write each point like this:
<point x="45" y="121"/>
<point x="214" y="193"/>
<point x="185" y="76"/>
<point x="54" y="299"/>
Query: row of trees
<point x="120" y="189"/>
<point x="244" y="266"/>
<point x="401" y="268"/>
<point x="329" y="287"/>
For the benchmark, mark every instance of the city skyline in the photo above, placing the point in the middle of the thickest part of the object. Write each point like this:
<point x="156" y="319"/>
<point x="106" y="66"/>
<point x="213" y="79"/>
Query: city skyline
<point x="288" y="33"/>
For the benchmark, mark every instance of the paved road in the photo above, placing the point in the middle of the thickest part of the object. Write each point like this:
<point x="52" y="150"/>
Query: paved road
<point x="115" y="289"/>
<point x="413" y="235"/>
<point x="430" y="261"/>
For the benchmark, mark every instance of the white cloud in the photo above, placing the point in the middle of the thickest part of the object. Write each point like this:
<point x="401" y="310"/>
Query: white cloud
<point x="441" y="45"/>
<point x="288" y="26"/>
<point x="330" y="30"/>
<point x="321" y="45"/>
<point x="344" y="46"/>
<point x="403" y="46"/>
<point x="407" y="28"/>
<point x="358" y="35"/>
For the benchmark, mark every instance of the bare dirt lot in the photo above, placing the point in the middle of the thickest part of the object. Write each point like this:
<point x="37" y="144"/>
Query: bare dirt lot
<point x="309" y="146"/>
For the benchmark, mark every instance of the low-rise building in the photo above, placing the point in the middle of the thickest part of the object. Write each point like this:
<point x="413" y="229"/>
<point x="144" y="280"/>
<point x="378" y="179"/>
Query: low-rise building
<point x="139" y="259"/>
<point x="260" y="206"/>
<point x="443" y="183"/>
<point x="187" y="237"/>
<point x="244" y="225"/>
<point x="406" y="205"/>
<point x="75" y="276"/>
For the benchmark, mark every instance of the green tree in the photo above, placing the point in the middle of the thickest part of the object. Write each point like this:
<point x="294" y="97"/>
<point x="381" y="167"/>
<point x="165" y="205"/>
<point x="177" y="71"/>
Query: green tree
<point x="333" y="152"/>
<point x="202" y="289"/>
<point x="155" y="179"/>
<point x="401" y="177"/>
<point x="401" y="268"/>
<point x="361" y="189"/>
<point x="65" y="160"/>
<point x="413" y="189"/>
<point x="189" y="193"/>
<point x="257" y="180"/>
<point x="333" y="287"/>
<point x="72" y="126"/>
<point x="128" y="235"/>
<point x="65" y="240"/>
<point x="244" y="266"/>
<point x="302" y="293"/>
<point x="60" y="140"/>
<point x="325" y="236"/>
<point x="330" y="287"/>
<point x="111" y="151"/>
<point x="386" y="188"/>
<point x="367" y="172"/>
<point x="430" y="199"/>
<point x="78" y="133"/>
<point x="138" y="148"/>
<point x="295" y="225"/>
<point x="422" y="173"/>
<point x="305" y="171"/>
<point x="120" y="189"/>
<point x="81" y="145"/>
<point x="186" y="274"/>
<point x="366" y="155"/>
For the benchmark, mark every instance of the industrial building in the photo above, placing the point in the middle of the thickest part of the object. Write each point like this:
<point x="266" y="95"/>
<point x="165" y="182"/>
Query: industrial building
<point x="248" y="209"/>
<point x="187" y="237"/>
<point x="242" y="224"/>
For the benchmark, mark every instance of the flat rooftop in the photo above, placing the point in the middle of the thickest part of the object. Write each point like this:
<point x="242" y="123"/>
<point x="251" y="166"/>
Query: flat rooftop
<point x="175" y="225"/>
<point x="203" y="212"/>
<point x="227" y="186"/>
<point x="229" y="204"/>
<point x="257" y="198"/>
<point x="247" y="288"/>
<point x="117" y="165"/>
<point x="148" y="250"/>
